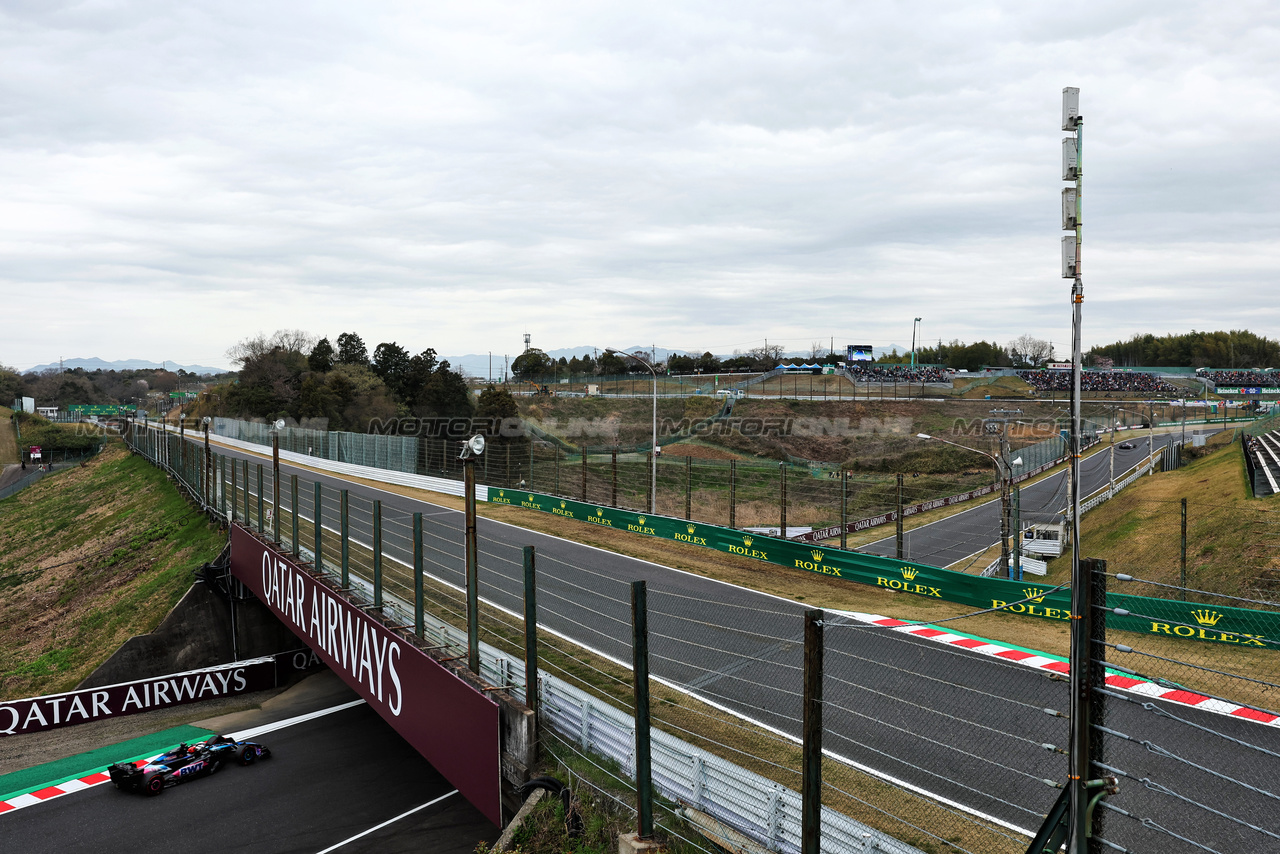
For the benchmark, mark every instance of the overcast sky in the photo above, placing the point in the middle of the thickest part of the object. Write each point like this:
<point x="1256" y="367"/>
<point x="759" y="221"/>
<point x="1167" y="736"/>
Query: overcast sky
<point x="180" y="176"/>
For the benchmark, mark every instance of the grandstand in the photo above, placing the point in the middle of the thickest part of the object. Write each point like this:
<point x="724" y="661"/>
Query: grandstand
<point x="1239" y="379"/>
<point x="1262" y="455"/>
<point x="1127" y="382"/>
<point x="866" y="372"/>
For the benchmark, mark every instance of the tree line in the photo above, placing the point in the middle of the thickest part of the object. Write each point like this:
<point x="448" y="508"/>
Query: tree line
<point x="293" y="374"/>
<point x="1234" y="349"/>
<point x="536" y="365"/>
<point x="76" y="385"/>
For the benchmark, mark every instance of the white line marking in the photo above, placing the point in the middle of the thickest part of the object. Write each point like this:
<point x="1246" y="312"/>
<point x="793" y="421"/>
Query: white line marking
<point x="385" y="823"/>
<point x="255" y="732"/>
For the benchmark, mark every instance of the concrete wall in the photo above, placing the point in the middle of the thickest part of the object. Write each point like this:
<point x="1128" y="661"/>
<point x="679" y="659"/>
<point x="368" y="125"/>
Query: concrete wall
<point x="196" y="633"/>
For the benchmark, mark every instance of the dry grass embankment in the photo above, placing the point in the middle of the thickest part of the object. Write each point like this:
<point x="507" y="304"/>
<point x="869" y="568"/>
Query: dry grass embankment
<point x="8" y="439"/>
<point x="90" y="557"/>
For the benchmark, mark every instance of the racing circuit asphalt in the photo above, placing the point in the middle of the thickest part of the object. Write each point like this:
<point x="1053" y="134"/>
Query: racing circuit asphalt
<point x="328" y="780"/>
<point x="955" y="724"/>
<point x="955" y="538"/>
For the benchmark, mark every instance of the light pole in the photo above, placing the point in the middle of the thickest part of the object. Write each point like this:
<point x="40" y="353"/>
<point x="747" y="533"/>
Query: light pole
<point x="205" y="422"/>
<point x="913" y="346"/>
<point x="653" y="455"/>
<point x="473" y="448"/>
<point x="1004" y="470"/>
<point x="1079" y="766"/>
<point x="275" y="479"/>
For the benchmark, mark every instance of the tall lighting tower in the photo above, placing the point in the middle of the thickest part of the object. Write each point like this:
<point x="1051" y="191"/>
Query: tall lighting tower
<point x="1072" y="200"/>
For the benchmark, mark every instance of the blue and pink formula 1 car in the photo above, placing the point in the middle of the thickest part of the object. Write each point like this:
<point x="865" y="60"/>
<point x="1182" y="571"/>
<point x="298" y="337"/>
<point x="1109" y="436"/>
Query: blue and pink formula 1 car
<point x="186" y="762"/>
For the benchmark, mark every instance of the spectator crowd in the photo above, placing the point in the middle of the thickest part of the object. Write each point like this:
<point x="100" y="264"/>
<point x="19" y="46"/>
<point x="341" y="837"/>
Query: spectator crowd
<point x="872" y="373"/>
<point x="1244" y="379"/>
<point x="1099" y="381"/>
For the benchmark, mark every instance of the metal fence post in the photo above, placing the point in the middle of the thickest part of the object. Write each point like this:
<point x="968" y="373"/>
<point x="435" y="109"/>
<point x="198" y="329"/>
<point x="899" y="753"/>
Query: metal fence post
<point x="377" y="553"/>
<point x="1182" y="573"/>
<point x="782" y="496"/>
<point x="651" y="499"/>
<point x="1081" y="738"/>
<point x="1097" y="673"/>
<point x="811" y="770"/>
<point x="584" y="473"/>
<point x="613" y="501"/>
<point x="898" y="519"/>
<point x="733" y="493"/>
<point x="640" y="679"/>
<point x="844" y="508"/>
<point x="235" y="492"/>
<point x="345" y="525"/>
<point x="418" y="604"/>
<point x="275" y="504"/>
<point x="1015" y="570"/>
<point x="294" y="546"/>
<point x="318" y="526"/>
<point x="222" y="485"/>
<point x="688" y="488"/>
<point x="244" y="476"/>
<point x="260" y="522"/>
<point x="531" y="639"/>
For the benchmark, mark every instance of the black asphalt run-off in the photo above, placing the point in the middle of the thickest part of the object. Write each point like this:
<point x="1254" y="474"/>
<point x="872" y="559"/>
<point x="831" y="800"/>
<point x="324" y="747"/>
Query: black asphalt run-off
<point x="956" y="724"/>
<point x="328" y="780"/>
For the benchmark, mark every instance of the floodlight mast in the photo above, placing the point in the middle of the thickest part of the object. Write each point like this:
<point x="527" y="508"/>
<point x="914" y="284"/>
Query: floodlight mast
<point x="1079" y="764"/>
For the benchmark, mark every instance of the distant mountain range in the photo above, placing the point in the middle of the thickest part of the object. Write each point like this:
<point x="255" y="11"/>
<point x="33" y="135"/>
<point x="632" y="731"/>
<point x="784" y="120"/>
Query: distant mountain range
<point x="93" y="364"/>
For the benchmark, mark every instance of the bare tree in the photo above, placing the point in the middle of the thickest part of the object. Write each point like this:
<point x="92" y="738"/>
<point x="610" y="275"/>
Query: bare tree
<point x="767" y="356"/>
<point x="1028" y="350"/>
<point x="287" y="340"/>
<point x="818" y="350"/>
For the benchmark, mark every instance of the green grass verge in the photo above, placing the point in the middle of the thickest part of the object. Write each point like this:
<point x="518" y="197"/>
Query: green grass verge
<point x="83" y="764"/>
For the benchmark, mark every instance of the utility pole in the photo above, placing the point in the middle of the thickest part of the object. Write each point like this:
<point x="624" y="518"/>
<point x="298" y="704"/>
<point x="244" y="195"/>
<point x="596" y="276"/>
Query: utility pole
<point x="1072" y="220"/>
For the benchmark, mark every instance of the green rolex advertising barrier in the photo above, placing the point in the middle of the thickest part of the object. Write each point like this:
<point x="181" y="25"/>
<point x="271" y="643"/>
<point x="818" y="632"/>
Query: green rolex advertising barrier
<point x="1238" y="626"/>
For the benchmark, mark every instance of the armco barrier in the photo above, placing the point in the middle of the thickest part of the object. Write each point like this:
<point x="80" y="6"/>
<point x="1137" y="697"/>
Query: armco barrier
<point x="1239" y="626"/>
<point x="821" y="534"/>
<point x="756" y="806"/>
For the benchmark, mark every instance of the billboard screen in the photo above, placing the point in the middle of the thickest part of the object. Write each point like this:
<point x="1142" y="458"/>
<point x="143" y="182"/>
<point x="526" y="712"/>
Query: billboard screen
<point x="859" y="353"/>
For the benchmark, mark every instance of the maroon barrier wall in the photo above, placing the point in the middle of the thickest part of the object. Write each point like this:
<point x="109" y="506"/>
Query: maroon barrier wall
<point x="454" y="726"/>
<point x="36" y="714"/>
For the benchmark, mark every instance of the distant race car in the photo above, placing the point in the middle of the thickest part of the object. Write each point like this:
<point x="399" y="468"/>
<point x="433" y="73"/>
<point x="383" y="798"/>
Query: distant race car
<point x="1126" y="446"/>
<point x="185" y="762"/>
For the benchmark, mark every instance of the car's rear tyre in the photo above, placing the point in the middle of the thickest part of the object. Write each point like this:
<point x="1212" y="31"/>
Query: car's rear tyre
<point x="246" y="755"/>
<point x="154" y="785"/>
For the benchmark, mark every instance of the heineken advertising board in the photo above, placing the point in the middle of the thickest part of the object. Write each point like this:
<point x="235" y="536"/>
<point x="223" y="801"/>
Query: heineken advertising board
<point x="1238" y="626"/>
